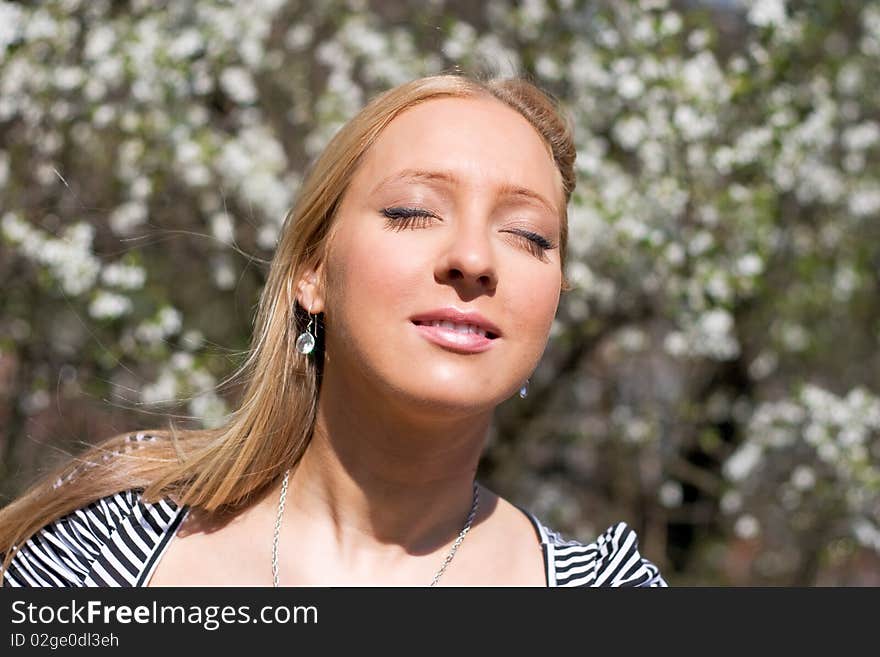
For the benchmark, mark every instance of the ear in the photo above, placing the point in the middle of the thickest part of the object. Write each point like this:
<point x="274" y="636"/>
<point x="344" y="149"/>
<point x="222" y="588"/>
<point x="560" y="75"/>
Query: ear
<point x="309" y="294"/>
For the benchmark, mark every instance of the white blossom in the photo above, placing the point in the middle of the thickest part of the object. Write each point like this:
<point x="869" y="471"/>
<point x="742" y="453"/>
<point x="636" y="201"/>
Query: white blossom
<point x="743" y="461"/>
<point x="698" y="40"/>
<point x="731" y="502"/>
<point x="223" y="228"/>
<point x="103" y="115"/>
<point x="149" y="333"/>
<point x="162" y="391"/>
<point x="209" y="408"/>
<point x="67" y="78"/>
<point x="109" y="305"/>
<point x="630" y="131"/>
<point x="865" y="201"/>
<point x="223" y="273"/>
<point x="99" y="42"/>
<point x="548" y="67"/>
<point x="35" y="401"/>
<point x="671" y="23"/>
<point x="861" y="136"/>
<point x="747" y="526"/>
<point x="126" y="277"/>
<point x="703" y="79"/>
<point x="181" y="360"/>
<point x="675" y="254"/>
<point x="692" y="124"/>
<point x="140" y="188"/>
<point x="126" y="217"/>
<point x="505" y="60"/>
<point x="845" y="283"/>
<point x="362" y="38"/>
<point x="299" y="36"/>
<point x="186" y="44"/>
<point x="752" y="144"/>
<point x="671" y="494"/>
<point x="643" y="31"/>
<point x="200" y="380"/>
<point x="11" y="24"/>
<point x="267" y="236"/>
<point x="631" y="339"/>
<point x="4" y="168"/>
<point x="633" y="429"/>
<point x="794" y="337"/>
<point x="803" y="478"/>
<point x="68" y="258"/>
<point x="192" y="339"/>
<point x="867" y="533"/>
<point x="630" y="86"/>
<point x="675" y="343"/>
<point x="750" y="264"/>
<point x="766" y="13"/>
<point x="109" y="70"/>
<point x="239" y="85"/>
<point x="169" y="319"/>
<point x="461" y="39"/>
<point x="763" y="365"/>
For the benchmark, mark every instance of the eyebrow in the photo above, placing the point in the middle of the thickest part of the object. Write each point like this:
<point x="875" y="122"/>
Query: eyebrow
<point x="447" y="178"/>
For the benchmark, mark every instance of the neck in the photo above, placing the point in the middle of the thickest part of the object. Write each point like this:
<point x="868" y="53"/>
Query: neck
<point x="380" y="477"/>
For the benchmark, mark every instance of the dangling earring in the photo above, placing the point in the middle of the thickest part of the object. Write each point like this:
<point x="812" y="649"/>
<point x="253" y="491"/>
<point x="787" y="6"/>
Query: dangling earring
<point x="305" y="342"/>
<point x="524" y="391"/>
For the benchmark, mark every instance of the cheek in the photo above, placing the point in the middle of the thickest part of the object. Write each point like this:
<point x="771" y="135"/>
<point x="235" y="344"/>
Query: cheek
<point x="533" y="300"/>
<point x="375" y="280"/>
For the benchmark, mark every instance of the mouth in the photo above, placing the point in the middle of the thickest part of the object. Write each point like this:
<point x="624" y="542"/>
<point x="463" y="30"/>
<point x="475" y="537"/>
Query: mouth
<point x="461" y="338"/>
<point x="457" y="327"/>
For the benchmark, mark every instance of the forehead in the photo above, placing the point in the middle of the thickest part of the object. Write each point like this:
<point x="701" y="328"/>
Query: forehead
<point x="481" y="141"/>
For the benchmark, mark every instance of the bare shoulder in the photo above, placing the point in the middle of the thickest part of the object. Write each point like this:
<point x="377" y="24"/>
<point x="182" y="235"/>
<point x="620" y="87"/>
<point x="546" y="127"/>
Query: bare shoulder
<point x="508" y="520"/>
<point x="506" y="548"/>
<point x="199" y="554"/>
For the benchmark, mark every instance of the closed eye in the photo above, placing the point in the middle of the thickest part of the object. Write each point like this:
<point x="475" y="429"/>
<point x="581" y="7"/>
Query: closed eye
<point x="543" y="242"/>
<point x="399" y="218"/>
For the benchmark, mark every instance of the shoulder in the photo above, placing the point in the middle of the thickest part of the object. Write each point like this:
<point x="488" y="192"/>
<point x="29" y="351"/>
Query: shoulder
<point x="613" y="559"/>
<point x="111" y="542"/>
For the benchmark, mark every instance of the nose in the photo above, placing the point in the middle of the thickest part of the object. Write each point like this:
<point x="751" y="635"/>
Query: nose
<point x="467" y="260"/>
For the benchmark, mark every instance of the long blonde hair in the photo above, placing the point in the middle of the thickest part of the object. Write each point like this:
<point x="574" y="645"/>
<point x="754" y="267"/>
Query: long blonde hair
<point x="224" y="468"/>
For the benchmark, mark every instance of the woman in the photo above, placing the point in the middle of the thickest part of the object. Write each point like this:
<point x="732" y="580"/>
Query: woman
<point x="412" y="291"/>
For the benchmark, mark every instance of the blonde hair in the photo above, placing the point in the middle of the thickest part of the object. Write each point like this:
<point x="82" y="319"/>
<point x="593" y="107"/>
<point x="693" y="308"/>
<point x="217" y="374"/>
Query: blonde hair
<point x="224" y="468"/>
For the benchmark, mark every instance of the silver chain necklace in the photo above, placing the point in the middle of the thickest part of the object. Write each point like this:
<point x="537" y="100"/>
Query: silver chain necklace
<point x="440" y="572"/>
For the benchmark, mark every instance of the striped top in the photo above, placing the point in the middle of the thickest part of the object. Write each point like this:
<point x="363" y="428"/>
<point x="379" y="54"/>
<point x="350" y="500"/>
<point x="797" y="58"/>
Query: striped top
<point x="118" y="541"/>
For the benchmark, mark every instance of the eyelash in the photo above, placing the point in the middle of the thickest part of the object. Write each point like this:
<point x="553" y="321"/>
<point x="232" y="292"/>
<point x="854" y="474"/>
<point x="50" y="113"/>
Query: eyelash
<point x="400" y="218"/>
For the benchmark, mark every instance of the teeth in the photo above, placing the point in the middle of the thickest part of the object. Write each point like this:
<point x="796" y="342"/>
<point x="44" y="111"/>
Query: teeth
<point x="458" y="328"/>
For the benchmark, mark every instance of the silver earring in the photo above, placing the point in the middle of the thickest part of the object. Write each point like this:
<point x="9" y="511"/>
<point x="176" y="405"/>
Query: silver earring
<point x="305" y="342"/>
<point x="524" y="391"/>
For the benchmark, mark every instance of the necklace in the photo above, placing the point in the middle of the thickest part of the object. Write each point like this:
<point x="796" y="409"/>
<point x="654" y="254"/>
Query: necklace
<point x="446" y="562"/>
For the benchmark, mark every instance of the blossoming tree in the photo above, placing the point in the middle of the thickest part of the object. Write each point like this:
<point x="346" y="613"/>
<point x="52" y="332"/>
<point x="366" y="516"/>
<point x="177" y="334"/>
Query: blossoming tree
<point x="712" y="376"/>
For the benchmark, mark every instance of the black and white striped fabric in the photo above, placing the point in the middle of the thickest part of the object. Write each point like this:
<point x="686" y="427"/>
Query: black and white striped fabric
<point x="115" y="541"/>
<point x="118" y="541"/>
<point x="613" y="559"/>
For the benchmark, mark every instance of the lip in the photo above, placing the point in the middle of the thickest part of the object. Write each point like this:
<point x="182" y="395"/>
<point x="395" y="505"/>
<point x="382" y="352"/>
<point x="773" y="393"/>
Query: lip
<point x="452" y="314"/>
<point x="468" y="343"/>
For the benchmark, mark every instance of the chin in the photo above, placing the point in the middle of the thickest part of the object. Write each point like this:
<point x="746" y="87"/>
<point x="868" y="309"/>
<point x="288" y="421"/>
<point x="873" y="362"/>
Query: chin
<point x="446" y="398"/>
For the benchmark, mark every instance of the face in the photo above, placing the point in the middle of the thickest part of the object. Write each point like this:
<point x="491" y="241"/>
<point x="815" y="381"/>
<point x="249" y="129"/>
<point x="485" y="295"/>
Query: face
<point x="455" y="206"/>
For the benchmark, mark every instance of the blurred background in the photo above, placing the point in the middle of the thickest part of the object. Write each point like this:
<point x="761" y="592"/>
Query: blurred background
<point x="712" y="379"/>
